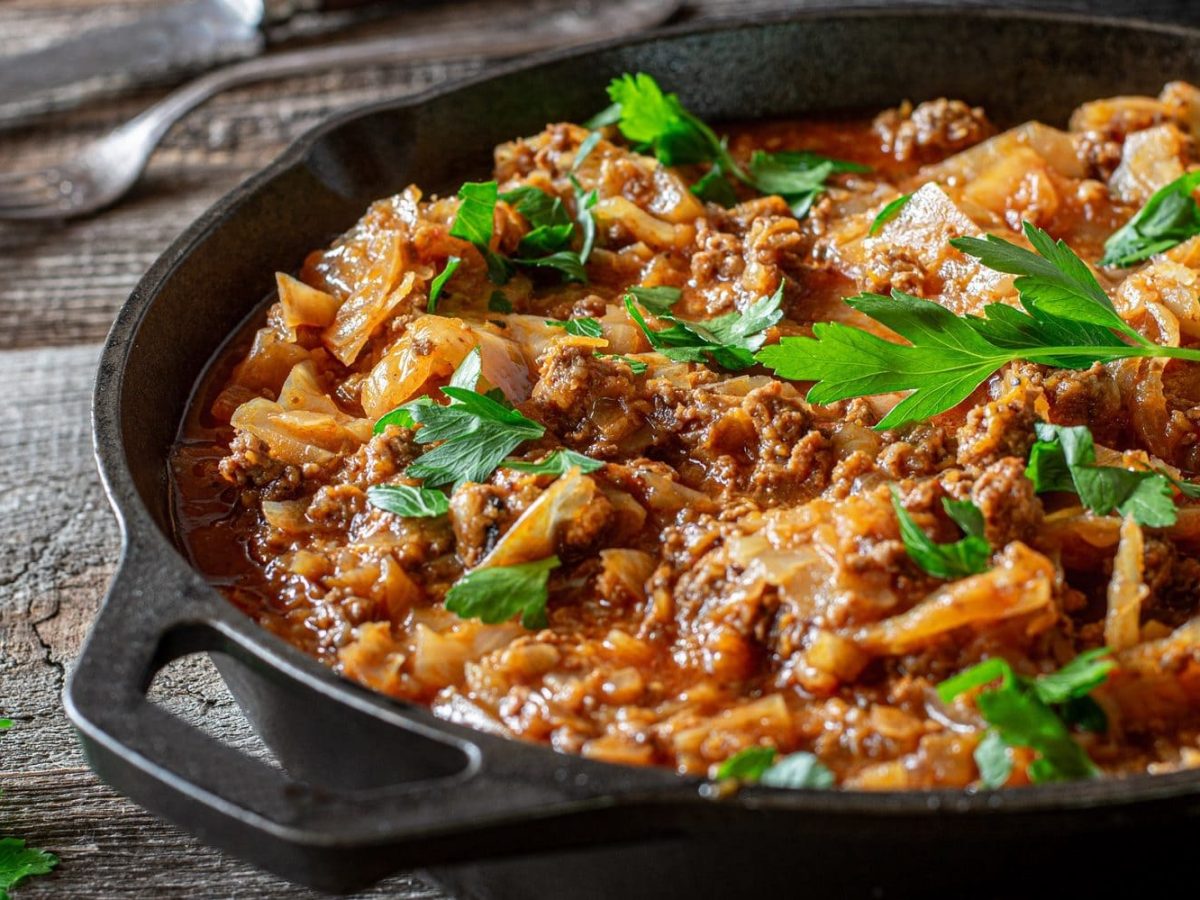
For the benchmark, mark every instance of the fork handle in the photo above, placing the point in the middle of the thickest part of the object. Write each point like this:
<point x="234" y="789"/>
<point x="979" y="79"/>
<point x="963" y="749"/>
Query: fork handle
<point x="576" y="24"/>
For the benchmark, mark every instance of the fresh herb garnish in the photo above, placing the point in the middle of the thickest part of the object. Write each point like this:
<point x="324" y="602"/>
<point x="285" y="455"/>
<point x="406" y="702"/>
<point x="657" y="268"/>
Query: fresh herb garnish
<point x="581" y="327"/>
<point x="499" y="303"/>
<point x="968" y="556"/>
<point x="888" y="213"/>
<point x="728" y="340"/>
<point x="497" y="593"/>
<point x="586" y="146"/>
<point x="714" y="187"/>
<point x="1064" y="459"/>
<point x="651" y="118"/>
<point x="1170" y="217"/>
<point x="18" y="862"/>
<point x="560" y="462"/>
<point x="476" y="431"/>
<point x="550" y="225"/>
<point x="1068" y="323"/>
<point x="435" y="288"/>
<point x="406" y="500"/>
<point x="636" y="365"/>
<point x="542" y="247"/>
<point x="1033" y="713"/>
<point x="475" y="221"/>
<point x="797" y="176"/>
<point x="584" y="201"/>
<point x="794" y="771"/>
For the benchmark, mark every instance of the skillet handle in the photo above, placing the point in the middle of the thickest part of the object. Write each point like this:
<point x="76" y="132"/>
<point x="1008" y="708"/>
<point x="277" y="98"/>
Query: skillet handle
<point x="157" y="610"/>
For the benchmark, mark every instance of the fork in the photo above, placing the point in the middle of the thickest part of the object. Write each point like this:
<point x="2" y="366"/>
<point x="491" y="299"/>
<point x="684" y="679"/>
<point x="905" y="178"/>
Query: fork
<point x="104" y="170"/>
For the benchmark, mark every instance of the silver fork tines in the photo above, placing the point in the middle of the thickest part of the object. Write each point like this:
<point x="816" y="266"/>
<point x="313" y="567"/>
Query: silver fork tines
<point x="105" y="169"/>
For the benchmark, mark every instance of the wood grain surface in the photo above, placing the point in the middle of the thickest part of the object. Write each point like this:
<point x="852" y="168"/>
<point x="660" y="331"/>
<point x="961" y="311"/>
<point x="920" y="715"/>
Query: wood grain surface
<point x="59" y="289"/>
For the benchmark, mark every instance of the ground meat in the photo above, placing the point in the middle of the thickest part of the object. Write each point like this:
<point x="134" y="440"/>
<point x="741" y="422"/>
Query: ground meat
<point x="931" y="129"/>
<point x="1007" y="500"/>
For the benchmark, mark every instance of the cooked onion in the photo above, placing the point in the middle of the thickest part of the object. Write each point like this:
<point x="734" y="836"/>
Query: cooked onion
<point x="1126" y="589"/>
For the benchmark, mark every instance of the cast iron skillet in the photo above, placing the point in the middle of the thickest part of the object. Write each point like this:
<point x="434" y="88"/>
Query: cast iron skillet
<point x="368" y="785"/>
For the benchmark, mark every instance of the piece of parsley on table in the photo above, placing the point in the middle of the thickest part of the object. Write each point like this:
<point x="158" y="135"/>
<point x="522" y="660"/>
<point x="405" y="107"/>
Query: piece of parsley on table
<point x="497" y="593"/>
<point x="759" y="764"/>
<point x="1034" y="713"/>
<point x="1064" y="459"/>
<point x="1068" y="322"/>
<point x="728" y="340"/>
<point x="967" y="556"/>
<point x="1170" y="217"/>
<point x="17" y="861"/>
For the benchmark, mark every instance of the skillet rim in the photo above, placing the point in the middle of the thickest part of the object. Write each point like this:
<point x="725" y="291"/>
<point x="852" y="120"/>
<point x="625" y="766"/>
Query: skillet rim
<point x="140" y="532"/>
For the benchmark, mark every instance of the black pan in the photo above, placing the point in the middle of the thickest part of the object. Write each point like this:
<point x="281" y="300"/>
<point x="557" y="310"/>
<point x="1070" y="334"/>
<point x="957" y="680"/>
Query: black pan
<point x="369" y="786"/>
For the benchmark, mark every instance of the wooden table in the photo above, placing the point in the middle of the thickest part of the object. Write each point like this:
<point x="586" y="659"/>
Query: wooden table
<point x="59" y="289"/>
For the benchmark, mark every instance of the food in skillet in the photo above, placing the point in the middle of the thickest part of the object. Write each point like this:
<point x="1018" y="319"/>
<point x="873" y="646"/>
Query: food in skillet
<point x="838" y="451"/>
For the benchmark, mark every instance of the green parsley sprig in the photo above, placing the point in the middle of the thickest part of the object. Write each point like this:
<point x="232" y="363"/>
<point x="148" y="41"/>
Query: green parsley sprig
<point x="794" y="771"/>
<point x="584" y="326"/>
<point x="1170" y="217"/>
<point x="474" y="432"/>
<point x="1068" y="322"/>
<point x="406" y="500"/>
<point x="544" y="246"/>
<point x="1034" y="713"/>
<point x="728" y="340"/>
<point x="497" y="593"/>
<point x="651" y="118"/>
<point x="964" y="557"/>
<point x="1064" y="459"/>
<point x="888" y="213"/>
<point x="17" y="861"/>
<point x="560" y="462"/>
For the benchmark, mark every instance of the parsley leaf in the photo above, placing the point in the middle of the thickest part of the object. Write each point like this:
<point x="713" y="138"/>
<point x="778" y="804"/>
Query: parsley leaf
<point x="565" y="261"/>
<point x="1169" y="217"/>
<point x="497" y="593"/>
<point x="550" y="225"/>
<point x="729" y="340"/>
<point x="748" y="764"/>
<point x="795" y="771"/>
<point x="651" y="118"/>
<point x="1053" y="281"/>
<point x="560" y="462"/>
<point x="584" y="201"/>
<point x="1063" y="459"/>
<point x="409" y="501"/>
<point x="1068" y="322"/>
<point x="499" y="303"/>
<point x="585" y="149"/>
<point x="968" y="556"/>
<point x="476" y="435"/>
<point x="474" y="222"/>
<point x="435" y="287"/>
<point x="18" y="862"/>
<point x="888" y="213"/>
<point x="714" y="187"/>
<point x="476" y="431"/>
<point x="584" y="326"/>
<point x="636" y="365"/>
<point x="1022" y="713"/>
<point x="798" y="176"/>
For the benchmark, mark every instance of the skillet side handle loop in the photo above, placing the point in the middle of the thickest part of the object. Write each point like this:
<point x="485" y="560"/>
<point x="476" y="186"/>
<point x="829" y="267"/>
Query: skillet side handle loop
<point x="155" y="612"/>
